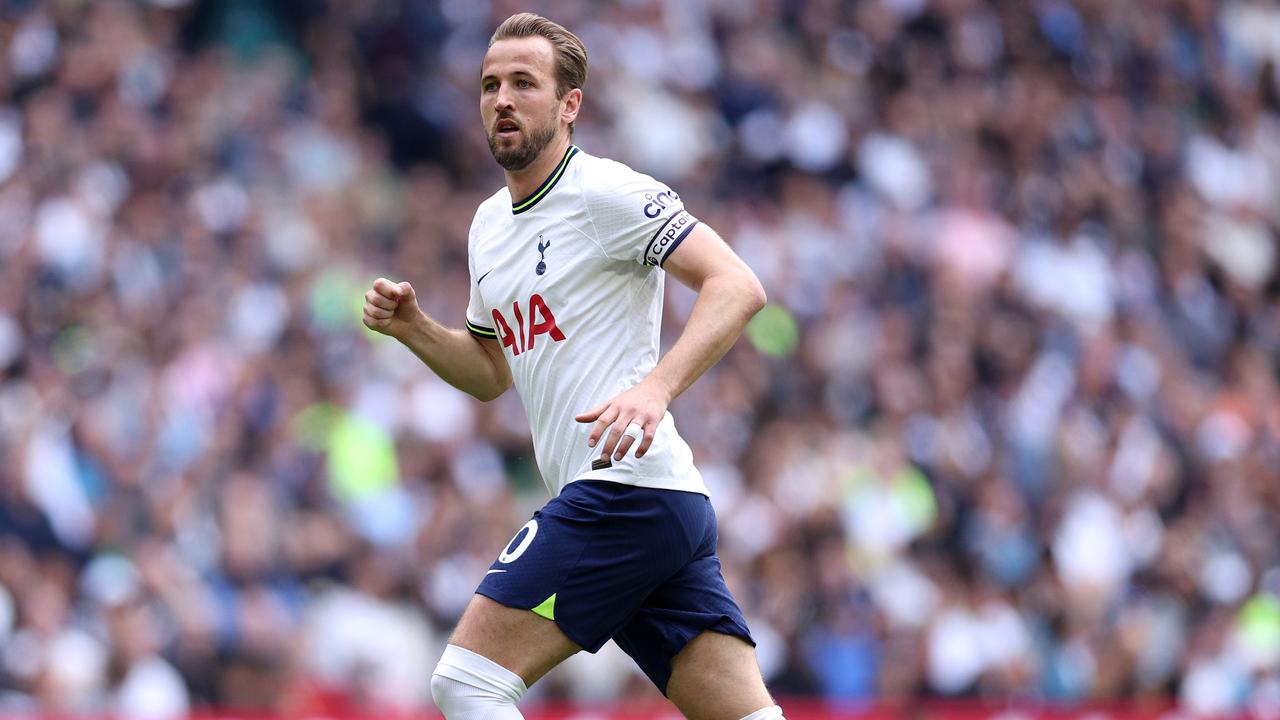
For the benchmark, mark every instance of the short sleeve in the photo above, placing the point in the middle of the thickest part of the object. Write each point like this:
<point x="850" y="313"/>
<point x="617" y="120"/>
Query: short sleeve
<point x="477" y="322"/>
<point x="636" y="217"/>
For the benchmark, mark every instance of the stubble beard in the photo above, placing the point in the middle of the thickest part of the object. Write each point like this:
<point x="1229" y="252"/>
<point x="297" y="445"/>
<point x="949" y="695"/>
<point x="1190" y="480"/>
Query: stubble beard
<point x="517" y="158"/>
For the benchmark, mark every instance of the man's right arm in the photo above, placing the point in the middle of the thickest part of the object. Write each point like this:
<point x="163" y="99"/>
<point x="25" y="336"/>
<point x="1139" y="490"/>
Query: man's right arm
<point x="472" y="365"/>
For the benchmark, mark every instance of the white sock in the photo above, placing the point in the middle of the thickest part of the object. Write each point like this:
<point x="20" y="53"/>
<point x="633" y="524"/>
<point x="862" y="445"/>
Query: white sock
<point x="773" y="712"/>
<point x="469" y="686"/>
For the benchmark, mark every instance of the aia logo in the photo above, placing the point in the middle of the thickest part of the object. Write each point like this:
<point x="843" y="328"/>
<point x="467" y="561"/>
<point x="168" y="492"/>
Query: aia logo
<point x="542" y="255"/>
<point x="541" y="322"/>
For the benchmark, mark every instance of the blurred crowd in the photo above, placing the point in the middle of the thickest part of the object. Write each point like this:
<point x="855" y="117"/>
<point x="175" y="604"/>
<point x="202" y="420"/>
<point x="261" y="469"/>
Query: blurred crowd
<point x="1010" y="427"/>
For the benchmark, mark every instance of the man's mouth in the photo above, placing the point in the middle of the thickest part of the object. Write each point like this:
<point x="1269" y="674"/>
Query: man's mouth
<point x="506" y="127"/>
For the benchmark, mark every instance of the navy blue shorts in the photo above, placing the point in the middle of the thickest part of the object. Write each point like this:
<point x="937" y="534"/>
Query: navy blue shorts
<point x="638" y="565"/>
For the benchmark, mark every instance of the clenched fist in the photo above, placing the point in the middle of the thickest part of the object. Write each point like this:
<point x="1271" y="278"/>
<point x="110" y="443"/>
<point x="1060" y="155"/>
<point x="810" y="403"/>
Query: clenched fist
<point x="390" y="308"/>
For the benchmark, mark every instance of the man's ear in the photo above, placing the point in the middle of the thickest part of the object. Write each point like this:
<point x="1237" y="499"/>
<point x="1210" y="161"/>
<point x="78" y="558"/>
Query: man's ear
<point x="572" y="104"/>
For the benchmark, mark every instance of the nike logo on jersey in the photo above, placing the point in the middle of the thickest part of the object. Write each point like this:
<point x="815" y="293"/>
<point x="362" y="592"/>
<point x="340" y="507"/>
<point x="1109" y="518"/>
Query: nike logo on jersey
<point x="482" y="277"/>
<point x="494" y="571"/>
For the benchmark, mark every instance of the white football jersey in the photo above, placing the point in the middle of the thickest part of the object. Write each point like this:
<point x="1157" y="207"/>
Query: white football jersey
<point x="569" y="281"/>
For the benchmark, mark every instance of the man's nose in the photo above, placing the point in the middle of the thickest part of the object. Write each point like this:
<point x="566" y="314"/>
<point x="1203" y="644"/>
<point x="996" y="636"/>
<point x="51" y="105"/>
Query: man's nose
<point x="502" y="99"/>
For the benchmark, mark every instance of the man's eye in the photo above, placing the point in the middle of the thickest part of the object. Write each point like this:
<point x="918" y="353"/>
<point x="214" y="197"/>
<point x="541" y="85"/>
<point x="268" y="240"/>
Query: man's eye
<point x="523" y="83"/>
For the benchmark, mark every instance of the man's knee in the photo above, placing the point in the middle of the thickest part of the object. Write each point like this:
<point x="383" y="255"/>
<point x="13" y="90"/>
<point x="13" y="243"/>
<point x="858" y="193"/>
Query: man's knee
<point x="525" y="643"/>
<point x="716" y="676"/>
<point x="469" y="686"/>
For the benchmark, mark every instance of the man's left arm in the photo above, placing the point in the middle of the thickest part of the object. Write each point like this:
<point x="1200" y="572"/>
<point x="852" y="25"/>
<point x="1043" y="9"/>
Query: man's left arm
<point x="729" y="294"/>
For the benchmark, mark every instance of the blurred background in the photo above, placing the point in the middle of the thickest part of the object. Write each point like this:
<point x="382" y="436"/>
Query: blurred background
<point x="1009" y="428"/>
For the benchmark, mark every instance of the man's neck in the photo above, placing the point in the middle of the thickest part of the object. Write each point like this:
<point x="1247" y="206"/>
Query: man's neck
<point x="522" y="183"/>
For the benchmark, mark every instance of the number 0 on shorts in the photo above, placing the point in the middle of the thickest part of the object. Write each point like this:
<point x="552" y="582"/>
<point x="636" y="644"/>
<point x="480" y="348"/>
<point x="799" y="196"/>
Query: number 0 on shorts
<point x="518" y="545"/>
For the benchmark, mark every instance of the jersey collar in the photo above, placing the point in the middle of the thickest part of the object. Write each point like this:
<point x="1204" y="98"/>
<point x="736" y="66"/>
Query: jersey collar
<point x="545" y="187"/>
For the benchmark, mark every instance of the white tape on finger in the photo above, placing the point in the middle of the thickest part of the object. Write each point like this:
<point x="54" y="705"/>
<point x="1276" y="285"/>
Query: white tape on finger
<point x="634" y="431"/>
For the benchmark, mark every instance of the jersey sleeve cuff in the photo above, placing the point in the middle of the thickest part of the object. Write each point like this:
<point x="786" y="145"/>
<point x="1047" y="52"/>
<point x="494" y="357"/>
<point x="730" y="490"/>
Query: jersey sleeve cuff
<point x="481" y="331"/>
<point x="676" y="243"/>
<point x="668" y="237"/>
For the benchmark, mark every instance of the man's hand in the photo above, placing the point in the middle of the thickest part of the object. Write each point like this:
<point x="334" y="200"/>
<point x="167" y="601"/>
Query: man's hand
<point x="390" y="308"/>
<point x="472" y="365"/>
<point x="643" y="405"/>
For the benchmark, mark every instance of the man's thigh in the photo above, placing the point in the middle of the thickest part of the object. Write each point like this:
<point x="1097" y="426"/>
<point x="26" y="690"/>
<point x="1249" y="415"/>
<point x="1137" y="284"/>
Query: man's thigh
<point x="575" y="574"/>
<point x="519" y="640"/>
<point x="690" y="603"/>
<point x="590" y="558"/>
<point x="716" y="677"/>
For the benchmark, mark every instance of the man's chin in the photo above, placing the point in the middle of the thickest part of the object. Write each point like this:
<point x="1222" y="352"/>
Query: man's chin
<point x="512" y="155"/>
<point x="514" y="159"/>
<point x="517" y="153"/>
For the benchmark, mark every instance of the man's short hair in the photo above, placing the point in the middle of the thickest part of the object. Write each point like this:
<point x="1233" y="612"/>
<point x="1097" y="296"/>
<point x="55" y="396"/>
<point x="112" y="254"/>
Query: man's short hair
<point x="569" y="52"/>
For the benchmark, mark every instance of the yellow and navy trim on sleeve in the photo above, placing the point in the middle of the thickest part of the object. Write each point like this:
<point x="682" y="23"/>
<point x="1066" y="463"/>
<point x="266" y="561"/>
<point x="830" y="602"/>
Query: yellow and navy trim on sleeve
<point x="482" y="331"/>
<point x="545" y="187"/>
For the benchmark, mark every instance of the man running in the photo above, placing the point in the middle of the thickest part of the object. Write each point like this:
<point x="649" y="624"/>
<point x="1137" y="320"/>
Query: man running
<point x="567" y="265"/>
